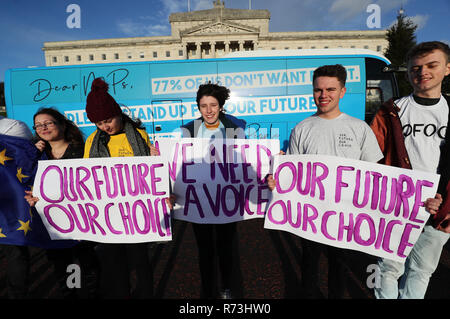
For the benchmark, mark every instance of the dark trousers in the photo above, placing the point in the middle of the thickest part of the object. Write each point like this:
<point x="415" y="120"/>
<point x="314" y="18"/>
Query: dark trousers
<point x="212" y="240"/>
<point x="310" y="269"/>
<point x="17" y="270"/>
<point x="84" y="255"/>
<point x="87" y="258"/>
<point x="117" y="261"/>
<point x="61" y="258"/>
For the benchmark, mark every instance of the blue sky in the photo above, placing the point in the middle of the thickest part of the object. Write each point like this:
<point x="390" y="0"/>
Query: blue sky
<point x="26" y="24"/>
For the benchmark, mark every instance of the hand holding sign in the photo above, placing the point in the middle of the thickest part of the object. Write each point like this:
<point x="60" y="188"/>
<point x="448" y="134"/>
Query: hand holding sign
<point x="351" y="204"/>
<point x="432" y="204"/>
<point x="117" y="199"/>
<point x="219" y="181"/>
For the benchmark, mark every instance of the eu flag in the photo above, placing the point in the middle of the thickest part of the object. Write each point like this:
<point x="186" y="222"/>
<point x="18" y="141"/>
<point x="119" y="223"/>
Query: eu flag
<point x="19" y="223"/>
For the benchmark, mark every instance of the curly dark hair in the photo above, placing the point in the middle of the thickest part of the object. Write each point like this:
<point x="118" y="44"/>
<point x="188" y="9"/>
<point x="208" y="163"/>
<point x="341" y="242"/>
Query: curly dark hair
<point x="72" y="133"/>
<point x="221" y="93"/>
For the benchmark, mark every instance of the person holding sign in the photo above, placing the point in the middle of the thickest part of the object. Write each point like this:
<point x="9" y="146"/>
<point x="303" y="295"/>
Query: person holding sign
<point x="413" y="133"/>
<point x="59" y="138"/>
<point x="118" y="135"/>
<point x="329" y="132"/>
<point x="220" y="239"/>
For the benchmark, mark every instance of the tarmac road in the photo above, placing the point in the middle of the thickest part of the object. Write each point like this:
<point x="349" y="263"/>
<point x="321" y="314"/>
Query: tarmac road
<point x="269" y="268"/>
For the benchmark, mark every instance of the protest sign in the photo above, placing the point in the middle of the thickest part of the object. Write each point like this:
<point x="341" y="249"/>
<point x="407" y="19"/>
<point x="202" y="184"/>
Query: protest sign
<point x="113" y="200"/>
<point x="373" y="208"/>
<point x="221" y="180"/>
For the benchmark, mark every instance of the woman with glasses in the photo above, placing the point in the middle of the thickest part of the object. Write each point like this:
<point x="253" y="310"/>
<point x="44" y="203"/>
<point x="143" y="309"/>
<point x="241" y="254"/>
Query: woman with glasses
<point x="57" y="136"/>
<point x="60" y="138"/>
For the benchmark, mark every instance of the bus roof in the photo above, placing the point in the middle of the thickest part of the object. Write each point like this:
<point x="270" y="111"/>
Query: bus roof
<point x="307" y="52"/>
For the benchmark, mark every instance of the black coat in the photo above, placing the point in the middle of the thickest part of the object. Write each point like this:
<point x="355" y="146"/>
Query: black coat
<point x="228" y="121"/>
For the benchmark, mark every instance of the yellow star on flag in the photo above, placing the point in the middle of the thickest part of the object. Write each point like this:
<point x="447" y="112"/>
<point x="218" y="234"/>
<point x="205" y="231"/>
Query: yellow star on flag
<point x="3" y="157"/>
<point x="20" y="175"/>
<point x="25" y="226"/>
<point x="1" y="234"/>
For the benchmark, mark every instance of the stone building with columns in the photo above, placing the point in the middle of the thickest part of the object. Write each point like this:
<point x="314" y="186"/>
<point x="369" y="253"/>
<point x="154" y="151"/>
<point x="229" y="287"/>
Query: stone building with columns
<point x="205" y="34"/>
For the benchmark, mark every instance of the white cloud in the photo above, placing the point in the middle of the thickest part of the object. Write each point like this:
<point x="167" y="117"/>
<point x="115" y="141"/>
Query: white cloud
<point x="172" y="6"/>
<point x="388" y="5"/>
<point x="347" y="9"/>
<point x="135" y="29"/>
<point x="155" y="24"/>
<point x="202" y="5"/>
<point x="420" y="20"/>
<point x="23" y="33"/>
<point x="342" y="10"/>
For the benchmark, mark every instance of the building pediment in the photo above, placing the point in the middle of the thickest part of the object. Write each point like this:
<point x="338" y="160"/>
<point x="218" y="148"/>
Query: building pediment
<point x="219" y="27"/>
<point x="223" y="13"/>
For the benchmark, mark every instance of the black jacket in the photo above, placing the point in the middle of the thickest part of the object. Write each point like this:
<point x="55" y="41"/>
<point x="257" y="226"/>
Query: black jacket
<point x="191" y="129"/>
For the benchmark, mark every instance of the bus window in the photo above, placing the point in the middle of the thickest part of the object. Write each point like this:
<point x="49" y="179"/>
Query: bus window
<point x="166" y="118"/>
<point x="380" y="86"/>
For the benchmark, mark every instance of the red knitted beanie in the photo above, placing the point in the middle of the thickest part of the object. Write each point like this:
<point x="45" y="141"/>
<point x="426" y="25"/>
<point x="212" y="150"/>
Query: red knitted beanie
<point x="99" y="104"/>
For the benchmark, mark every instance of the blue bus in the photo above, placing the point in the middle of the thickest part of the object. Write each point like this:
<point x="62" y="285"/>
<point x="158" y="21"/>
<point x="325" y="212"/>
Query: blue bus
<point x="271" y="90"/>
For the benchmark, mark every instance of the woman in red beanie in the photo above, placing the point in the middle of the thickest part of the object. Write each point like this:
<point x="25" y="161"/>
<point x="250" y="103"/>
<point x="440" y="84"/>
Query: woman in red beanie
<point x="118" y="135"/>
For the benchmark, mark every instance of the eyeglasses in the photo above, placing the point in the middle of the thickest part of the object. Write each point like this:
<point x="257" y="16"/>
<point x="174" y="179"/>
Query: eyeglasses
<point x="43" y="125"/>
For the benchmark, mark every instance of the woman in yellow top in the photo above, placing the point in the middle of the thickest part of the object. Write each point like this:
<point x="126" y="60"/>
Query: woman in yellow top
<point x="118" y="135"/>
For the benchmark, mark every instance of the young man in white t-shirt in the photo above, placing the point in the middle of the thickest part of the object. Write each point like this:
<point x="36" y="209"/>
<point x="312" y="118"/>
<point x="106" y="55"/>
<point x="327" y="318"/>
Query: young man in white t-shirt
<point x="413" y="133"/>
<point x="329" y="132"/>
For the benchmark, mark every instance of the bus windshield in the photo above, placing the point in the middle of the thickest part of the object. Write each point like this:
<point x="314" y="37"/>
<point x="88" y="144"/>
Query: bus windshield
<point x="381" y="85"/>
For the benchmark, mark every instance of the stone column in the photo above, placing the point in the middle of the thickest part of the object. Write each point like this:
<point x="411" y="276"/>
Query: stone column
<point x="184" y="47"/>
<point x="241" y="45"/>
<point x="227" y="47"/>
<point x="213" y="49"/>
<point x="199" y="49"/>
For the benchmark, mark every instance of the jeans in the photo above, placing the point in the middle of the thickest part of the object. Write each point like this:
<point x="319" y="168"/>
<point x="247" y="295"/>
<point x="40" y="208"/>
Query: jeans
<point x="416" y="272"/>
